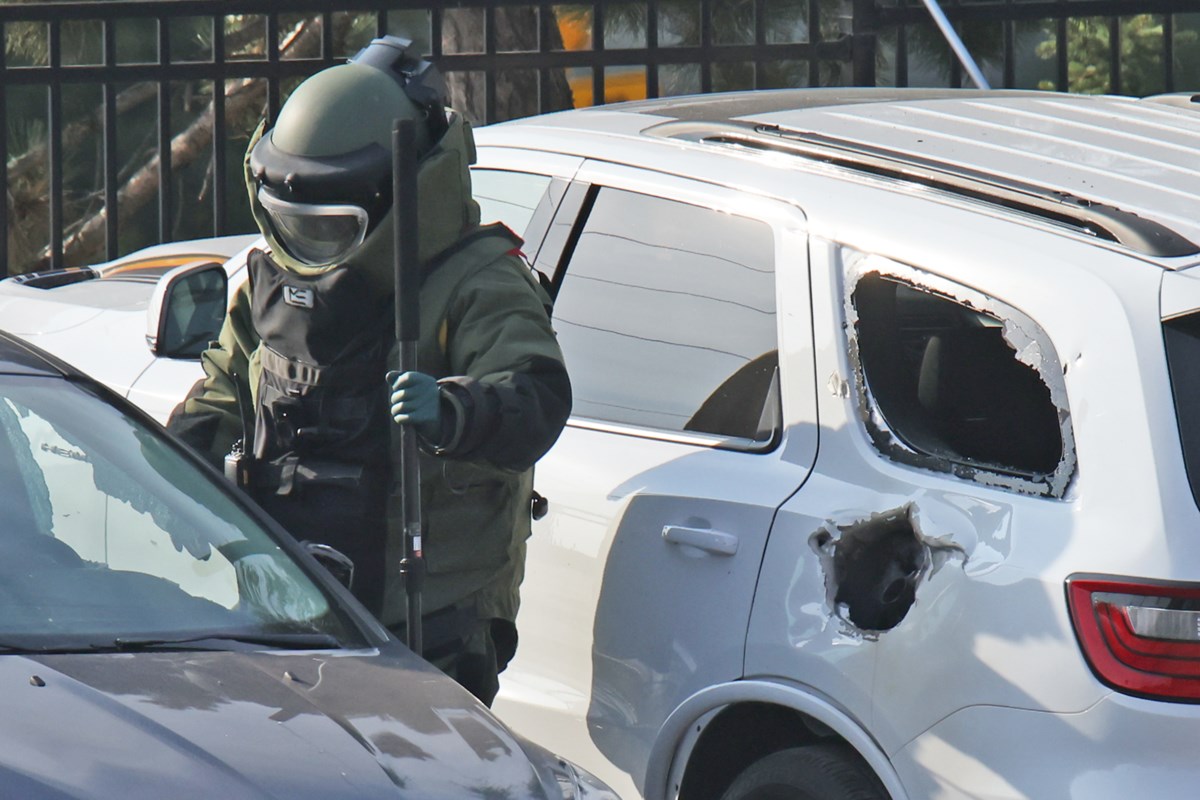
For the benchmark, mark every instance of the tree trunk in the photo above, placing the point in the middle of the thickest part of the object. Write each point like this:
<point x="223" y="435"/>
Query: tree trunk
<point x="142" y="187"/>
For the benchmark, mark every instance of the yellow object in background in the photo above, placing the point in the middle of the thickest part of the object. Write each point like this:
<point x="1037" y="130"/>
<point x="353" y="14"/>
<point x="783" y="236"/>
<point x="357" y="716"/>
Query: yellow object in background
<point x="620" y="83"/>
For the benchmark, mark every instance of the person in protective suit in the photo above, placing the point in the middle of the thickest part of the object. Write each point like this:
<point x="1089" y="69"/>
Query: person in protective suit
<point x="300" y="373"/>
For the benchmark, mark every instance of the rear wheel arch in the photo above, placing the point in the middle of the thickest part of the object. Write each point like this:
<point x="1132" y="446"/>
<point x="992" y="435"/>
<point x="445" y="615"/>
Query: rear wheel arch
<point x="718" y="733"/>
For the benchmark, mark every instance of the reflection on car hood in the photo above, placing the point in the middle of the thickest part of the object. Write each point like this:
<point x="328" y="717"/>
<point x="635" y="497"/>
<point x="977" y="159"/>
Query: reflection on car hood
<point x="248" y="725"/>
<point x="27" y="311"/>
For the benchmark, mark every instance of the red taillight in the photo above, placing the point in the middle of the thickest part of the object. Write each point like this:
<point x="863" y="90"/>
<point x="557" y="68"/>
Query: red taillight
<point x="1139" y="637"/>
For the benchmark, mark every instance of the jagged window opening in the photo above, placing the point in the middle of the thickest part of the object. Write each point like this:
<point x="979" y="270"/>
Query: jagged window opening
<point x="949" y="385"/>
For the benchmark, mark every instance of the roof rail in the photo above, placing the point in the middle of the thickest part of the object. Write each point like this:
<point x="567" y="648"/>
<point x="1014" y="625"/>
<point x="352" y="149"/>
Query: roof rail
<point x="1107" y="222"/>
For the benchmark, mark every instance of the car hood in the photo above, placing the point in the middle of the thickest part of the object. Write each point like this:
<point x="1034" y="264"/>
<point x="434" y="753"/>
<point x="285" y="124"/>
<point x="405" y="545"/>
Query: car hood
<point x="28" y="311"/>
<point x="102" y="333"/>
<point x="249" y="725"/>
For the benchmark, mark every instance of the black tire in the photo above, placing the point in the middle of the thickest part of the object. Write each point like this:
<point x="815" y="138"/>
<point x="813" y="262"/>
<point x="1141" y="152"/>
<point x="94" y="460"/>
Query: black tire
<point x="816" y="772"/>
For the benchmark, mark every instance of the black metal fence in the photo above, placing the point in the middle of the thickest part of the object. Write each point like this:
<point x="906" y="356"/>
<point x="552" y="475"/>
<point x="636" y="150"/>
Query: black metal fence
<point x="1135" y="47"/>
<point x="125" y="121"/>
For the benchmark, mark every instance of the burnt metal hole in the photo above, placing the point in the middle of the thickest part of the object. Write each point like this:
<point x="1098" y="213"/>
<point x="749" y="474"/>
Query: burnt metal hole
<point x="877" y="564"/>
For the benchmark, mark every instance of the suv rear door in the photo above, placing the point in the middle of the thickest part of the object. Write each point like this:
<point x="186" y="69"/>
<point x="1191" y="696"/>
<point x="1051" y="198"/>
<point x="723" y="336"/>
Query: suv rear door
<point x="684" y="316"/>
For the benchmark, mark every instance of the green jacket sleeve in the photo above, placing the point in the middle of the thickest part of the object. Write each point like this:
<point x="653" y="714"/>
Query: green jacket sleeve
<point x="509" y="396"/>
<point x="210" y="417"/>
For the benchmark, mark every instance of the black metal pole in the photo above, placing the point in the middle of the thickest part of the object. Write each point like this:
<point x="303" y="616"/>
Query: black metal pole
<point x="5" y="269"/>
<point x="408" y="328"/>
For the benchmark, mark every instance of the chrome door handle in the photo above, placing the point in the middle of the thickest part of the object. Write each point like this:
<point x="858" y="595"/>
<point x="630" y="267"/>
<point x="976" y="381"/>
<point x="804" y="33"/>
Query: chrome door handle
<point x="723" y="544"/>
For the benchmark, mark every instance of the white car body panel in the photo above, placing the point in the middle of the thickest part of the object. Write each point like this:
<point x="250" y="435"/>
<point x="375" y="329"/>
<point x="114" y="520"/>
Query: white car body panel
<point x="156" y="390"/>
<point x="84" y="334"/>
<point x="1142" y="741"/>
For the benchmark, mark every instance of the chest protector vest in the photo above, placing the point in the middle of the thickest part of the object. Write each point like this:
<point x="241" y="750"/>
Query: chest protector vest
<point x="320" y="448"/>
<point x="322" y="399"/>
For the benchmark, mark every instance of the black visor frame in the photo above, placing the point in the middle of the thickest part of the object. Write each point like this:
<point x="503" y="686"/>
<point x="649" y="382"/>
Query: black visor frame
<point x="361" y="177"/>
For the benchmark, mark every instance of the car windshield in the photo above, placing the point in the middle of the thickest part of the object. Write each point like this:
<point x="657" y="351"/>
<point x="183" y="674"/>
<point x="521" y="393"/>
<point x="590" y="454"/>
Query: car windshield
<point x="111" y="539"/>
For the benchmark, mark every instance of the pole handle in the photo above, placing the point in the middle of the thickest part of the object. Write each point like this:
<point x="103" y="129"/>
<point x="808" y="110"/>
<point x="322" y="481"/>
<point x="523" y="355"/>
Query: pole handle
<point x="408" y="331"/>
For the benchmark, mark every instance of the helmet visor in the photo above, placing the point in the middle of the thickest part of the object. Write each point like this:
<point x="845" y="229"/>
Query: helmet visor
<point x="316" y="235"/>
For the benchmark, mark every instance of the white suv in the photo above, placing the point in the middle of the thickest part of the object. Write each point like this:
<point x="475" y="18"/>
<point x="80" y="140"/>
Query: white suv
<point x="877" y="483"/>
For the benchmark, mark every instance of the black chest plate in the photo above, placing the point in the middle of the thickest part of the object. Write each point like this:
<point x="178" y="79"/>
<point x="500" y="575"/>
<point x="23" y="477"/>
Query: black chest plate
<point x="322" y="396"/>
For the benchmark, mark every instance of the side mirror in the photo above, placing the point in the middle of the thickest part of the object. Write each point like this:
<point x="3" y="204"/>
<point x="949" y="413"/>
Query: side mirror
<point x="338" y="563"/>
<point x="187" y="310"/>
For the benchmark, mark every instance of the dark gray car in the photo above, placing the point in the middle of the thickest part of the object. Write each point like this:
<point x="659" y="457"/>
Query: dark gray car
<point x="160" y="637"/>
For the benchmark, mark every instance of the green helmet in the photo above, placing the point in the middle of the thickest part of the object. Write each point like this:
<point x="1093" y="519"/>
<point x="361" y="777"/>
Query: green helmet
<point x="320" y="180"/>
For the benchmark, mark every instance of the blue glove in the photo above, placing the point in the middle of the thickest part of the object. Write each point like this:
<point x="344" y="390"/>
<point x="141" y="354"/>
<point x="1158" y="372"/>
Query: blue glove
<point x="416" y="401"/>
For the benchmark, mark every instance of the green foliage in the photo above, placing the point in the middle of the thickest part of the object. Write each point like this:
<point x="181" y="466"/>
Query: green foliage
<point x="1140" y="56"/>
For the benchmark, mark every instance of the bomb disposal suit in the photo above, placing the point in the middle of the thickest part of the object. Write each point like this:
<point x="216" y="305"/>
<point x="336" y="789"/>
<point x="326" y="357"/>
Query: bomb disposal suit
<point x="299" y="369"/>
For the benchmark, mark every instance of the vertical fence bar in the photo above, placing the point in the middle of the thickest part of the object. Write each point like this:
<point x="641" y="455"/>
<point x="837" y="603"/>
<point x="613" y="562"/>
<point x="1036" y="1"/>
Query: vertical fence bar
<point x="435" y="32"/>
<point x="1010" y="44"/>
<point x="327" y="36"/>
<point x="165" y="213"/>
<point x="272" y="67"/>
<point x="4" y="221"/>
<point x="1062" y="78"/>
<point x="220" y="223"/>
<point x="545" y="20"/>
<point x="489" y="75"/>
<point x="652" y="47"/>
<point x="598" y="70"/>
<point x="111" y="206"/>
<point x="956" y="67"/>
<point x="381" y="23"/>
<point x="814" y="36"/>
<point x="1114" y="55"/>
<point x="706" y="46"/>
<point x="54" y="144"/>
<point x="760" y="40"/>
<point x="863" y="43"/>
<point x="1168" y="52"/>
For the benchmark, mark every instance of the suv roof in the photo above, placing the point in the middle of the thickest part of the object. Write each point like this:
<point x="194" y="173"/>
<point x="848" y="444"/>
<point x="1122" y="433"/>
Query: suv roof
<point x="1118" y="168"/>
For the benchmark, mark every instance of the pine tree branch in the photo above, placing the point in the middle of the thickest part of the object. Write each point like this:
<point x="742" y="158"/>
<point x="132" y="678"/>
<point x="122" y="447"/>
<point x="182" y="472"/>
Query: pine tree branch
<point x="80" y="131"/>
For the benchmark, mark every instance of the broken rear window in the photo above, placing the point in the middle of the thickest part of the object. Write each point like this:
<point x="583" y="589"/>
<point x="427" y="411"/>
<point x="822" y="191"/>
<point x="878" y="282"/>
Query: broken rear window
<point x="946" y="390"/>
